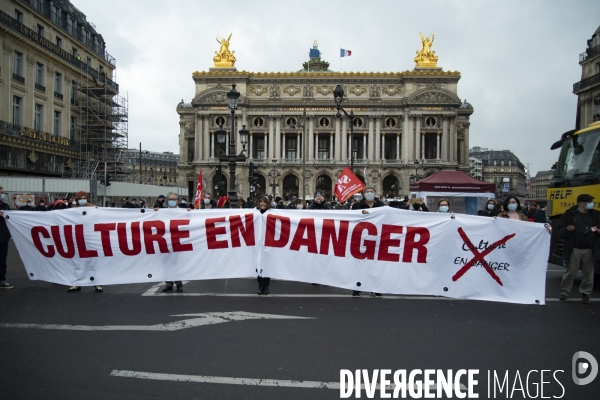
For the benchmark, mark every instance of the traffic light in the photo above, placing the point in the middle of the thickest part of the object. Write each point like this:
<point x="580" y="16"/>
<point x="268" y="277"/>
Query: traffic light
<point x="107" y="180"/>
<point x="252" y="173"/>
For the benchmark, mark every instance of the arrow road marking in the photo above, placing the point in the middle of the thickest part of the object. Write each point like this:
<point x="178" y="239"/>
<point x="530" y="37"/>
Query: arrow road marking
<point x="199" y="320"/>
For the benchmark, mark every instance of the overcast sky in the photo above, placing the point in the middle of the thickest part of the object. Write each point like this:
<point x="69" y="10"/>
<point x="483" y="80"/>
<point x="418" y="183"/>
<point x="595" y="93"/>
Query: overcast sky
<point x="518" y="59"/>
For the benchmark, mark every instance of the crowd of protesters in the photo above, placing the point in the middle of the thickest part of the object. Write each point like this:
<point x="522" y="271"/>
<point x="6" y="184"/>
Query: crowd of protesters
<point x="510" y="208"/>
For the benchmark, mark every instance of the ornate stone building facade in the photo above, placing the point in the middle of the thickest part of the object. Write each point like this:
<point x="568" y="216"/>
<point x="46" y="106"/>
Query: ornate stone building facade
<point x="504" y="169"/>
<point x="401" y="118"/>
<point x="588" y="88"/>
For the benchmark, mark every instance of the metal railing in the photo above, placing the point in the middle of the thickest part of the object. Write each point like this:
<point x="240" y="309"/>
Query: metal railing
<point x="39" y="87"/>
<point x="18" y="78"/>
<point x="30" y="34"/>
<point x="591" y="52"/>
<point x="584" y="83"/>
<point x="58" y="95"/>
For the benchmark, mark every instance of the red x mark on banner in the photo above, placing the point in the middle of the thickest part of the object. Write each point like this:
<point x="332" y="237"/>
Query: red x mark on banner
<point x="480" y="256"/>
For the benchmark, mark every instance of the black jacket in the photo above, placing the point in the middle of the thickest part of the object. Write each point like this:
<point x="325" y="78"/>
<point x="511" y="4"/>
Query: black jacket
<point x="129" y="205"/>
<point x="26" y="208"/>
<point x="41" y="208"/>
<point x="322" y="206"/>
<point x="567" y="219"/>
<point x="158" y="204"/>
<point x="361" y="205"/>
<point x="4" y="232"/>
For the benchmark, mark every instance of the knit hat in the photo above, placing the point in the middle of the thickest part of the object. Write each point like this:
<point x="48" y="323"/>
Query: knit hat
<point x="81" y="193"/>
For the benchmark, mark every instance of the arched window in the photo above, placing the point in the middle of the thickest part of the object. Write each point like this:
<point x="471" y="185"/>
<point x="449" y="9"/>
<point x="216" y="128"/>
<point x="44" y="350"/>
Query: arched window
<point x="290" y="186"/>
<point x="324" y="183"/>
<point x="391" y="186"/>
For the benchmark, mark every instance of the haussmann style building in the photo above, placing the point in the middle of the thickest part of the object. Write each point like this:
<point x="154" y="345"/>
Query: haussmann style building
<point x="406" y="124"/>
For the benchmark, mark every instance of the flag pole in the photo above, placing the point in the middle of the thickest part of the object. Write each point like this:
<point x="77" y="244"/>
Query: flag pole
<point x="340" y="58"/>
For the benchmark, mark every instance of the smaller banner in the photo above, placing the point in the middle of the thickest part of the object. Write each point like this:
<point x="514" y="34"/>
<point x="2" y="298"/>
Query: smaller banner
<point x="347" y="185"/>
<point x="345" y="53"/>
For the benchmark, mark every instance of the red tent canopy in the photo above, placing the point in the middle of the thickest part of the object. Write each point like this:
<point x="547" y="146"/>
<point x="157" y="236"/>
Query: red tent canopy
<point x="452" y="181"/>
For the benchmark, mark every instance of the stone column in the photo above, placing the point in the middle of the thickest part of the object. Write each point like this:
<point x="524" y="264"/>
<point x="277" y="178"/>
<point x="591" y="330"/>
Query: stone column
<point x="198" y="138"/>
<point x="410" y="152"/>
<point x="277" y="153"/>
<point x="378" y="139"/>
<point x="423" y="145"/>
<point x="311" y="138"/>
<point x="368" y="152"/>
<point x="238" y="126"/>
<point x="316" y="149"/>
<point x="207" y="143"/>
<point x="298" y="138"/>
<point x="182" y="144"/>
<point x="453" y="141"/>
<point x="265" y="153"/>
<point x="271" y="139"/>
<point x="344" y="138"/>
<point x="331" y="144"/>
<point x="383" y="146"/>
<point x="338" y="150"/>
<point x="466" y="143"/>
<point x="405" y="134"/>
<point x="418" y="138"/>
<point x="438" y="144"/>
<point x="212" y="147"/>
<point x="398" y="145"/>
<point x="445" y="140"/>
<point x="250" y="146"/>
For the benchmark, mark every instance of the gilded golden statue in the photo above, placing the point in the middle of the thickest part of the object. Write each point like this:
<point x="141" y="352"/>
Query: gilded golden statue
<point x="224" y="58"/>
<point x="426" y="57"/>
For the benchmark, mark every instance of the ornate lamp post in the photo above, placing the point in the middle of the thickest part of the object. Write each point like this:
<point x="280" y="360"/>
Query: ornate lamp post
<point x="274" y="176"/>
<point x="338" y="96"/>
<point x="233" y="95"/>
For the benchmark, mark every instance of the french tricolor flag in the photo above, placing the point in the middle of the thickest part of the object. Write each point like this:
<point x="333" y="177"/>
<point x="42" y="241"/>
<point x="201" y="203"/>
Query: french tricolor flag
<point x="345" y="53"/>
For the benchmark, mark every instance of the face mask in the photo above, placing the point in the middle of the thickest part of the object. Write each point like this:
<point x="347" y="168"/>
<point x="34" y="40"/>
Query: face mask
<point x="299" y="206"/>
<point x="512" y="207"/>
<point x="183" y="202"/>
<point x="416" y="207"/>
<point x="589" y="206"/>
<point x="318" y="201"/>
<point x="273" y="204"/>
<point x="41" y="203"/>
<point x="490" y="207"/>
<point x="383" y="199"/>
<point x="369" y="196"/>
<point x="172" y="203"/>
<point x="2" y="197"/>
<point x="206" y="201"/>
<point x="82" y="202"/>
<point x="28" y="203"/>
<point x="444" y="208"/>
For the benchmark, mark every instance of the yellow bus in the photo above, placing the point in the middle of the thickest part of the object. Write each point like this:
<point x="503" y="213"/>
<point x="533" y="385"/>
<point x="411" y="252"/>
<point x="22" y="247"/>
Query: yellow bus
<point x="577" y="171"/>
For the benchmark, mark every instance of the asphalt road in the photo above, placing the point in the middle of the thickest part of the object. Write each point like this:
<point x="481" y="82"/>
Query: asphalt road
<point x="132" y="342"/>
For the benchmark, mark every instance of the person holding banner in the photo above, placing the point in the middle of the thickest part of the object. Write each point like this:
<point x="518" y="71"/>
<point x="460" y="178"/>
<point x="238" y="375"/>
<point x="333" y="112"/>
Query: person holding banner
<point x="172" y="204"/>
<point x="263" y="205"/>
<point x="512" y="205"/>
<point x="82" y="199"/>
<point x="369" y="200"/>
<point x="444" y="206"/>
<point x="4" y="238"/>
<point x="579" y="229"/>
<point x="490" y="209"/>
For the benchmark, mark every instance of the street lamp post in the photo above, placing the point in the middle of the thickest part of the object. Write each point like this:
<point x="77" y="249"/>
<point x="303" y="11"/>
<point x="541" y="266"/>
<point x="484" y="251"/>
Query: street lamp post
<point x="416" y="170"/>
<point x="146" y="152"/>
<point x="338" y="96"/>
<point x="274" y="176"/>
<point x="233" y="95"/>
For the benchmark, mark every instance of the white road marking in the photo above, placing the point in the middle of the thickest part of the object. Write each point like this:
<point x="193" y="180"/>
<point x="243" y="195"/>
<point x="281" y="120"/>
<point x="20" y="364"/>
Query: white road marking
<point x="199" y="320"/>
<point x="153" y="290"/>
<point x="240" y="381"/>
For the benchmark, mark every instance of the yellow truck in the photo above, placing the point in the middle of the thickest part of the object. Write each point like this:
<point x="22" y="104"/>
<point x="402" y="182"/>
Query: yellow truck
<point x="577" y="171"/>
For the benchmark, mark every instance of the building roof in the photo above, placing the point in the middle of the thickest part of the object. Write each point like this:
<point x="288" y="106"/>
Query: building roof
<point x="487" y="157"/>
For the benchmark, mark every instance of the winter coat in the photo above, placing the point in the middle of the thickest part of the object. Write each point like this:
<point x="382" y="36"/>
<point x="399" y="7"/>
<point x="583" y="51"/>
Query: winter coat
<point x="567" y="219"/>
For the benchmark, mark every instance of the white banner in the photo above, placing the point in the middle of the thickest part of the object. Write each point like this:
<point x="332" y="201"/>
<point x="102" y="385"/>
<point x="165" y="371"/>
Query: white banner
<point x="385" y="250"/>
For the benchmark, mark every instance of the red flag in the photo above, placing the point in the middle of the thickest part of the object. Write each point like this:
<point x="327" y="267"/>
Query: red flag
<point x="347" y="185"/>
<point x="199" y="191"/>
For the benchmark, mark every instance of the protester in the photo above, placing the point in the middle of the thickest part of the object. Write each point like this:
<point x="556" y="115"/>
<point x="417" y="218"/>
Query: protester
<point x="135" y="204"/>
<point x="512" y="205"/>
<point x="27" y="206"/>
<point x="579" y="227"/>
<point x="417" y="205"/>
<point x="59" y="205"/>
<point x="368" y="201"/>
<point x="128" y="203"/>
<point x="160" y="202"/>
<point x="540" y="215"/>
<point x="4" y="239"/>
<point x="263" y="205"/>
<point x="444" y="206"/>
<point x="82" y="199"/>
<point x="183" y="203"/>
<point x="491" y="210"/>
<point x="531" y="213"/>
<point x="171" y="204"/>
<point x="279" y="203"/>
<point x="208" y="202"/>
<point x="319" y="201"/>
<point x="298" y="204"/>
<point x="41" y="206"/>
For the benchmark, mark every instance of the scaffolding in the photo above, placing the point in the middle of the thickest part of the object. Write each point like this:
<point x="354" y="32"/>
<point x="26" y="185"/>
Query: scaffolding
<point x="100" y="128"/>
